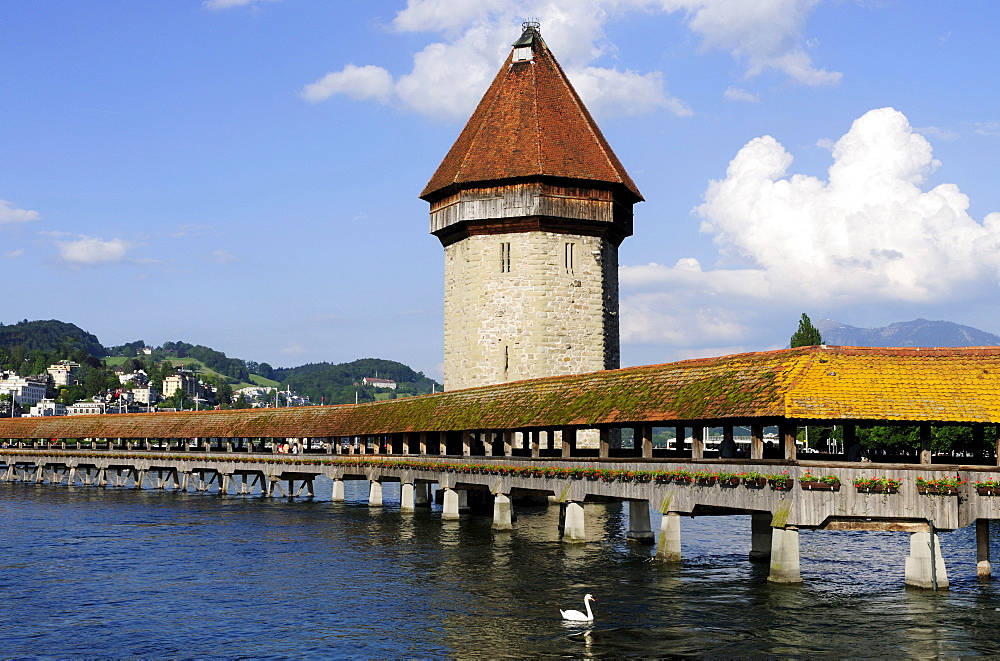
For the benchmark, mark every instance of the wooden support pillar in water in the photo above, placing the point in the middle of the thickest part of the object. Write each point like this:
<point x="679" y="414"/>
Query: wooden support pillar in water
<point x="574" y="530"/>
<point x="422" y="494"/>
<point x="338" y="491"/>
<point x="449" y="505"/>
<point x="785" y="556"/>
<point x="375" y="494"/>
<point x="983" y="568"/>
<point x="639" y="528"/>
<point x="669" y="547"/>
<point x="761" y="537"/>
<point x="502" y="513"/>
<point x="406" y="500"/>
<point x="925" y="566"/>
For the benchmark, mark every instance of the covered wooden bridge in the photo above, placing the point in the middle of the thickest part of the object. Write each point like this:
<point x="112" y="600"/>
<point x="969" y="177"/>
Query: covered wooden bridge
<point x="520" y="438"/>
<point x="848" y="386"/>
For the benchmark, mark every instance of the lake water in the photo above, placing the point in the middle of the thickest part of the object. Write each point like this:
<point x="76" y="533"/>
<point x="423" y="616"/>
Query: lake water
<point x="92" y="572"/>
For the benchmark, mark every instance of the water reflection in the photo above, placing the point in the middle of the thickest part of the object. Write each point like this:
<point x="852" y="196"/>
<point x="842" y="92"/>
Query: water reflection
<point x="239" y="576"/>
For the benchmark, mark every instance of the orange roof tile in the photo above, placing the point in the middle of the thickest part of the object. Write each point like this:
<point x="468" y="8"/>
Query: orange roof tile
<point x="807" y="383"/>
<point x="530" y="123"/>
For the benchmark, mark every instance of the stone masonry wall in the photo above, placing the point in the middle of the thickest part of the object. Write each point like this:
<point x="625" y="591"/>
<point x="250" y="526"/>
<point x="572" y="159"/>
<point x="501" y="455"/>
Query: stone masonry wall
<point x="540" y="318"/>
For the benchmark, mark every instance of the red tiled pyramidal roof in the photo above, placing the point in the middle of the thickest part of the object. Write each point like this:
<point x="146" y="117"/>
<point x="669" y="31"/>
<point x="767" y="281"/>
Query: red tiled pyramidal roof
<point x="530" y="123"/>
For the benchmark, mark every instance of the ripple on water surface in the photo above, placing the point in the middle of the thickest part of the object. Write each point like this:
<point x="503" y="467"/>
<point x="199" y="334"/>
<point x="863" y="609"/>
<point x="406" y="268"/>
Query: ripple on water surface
<point x="150" y="573"/>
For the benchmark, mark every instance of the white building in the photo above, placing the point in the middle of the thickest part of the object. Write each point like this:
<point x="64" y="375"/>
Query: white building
<point x="378" y="383"/>
<point x="138" y="377"/>
<point x="85" y="408"/>
<point x="62" y="373"/>
<point x="183" y="381"/>
<point x="46" y="408"/>
<point x="146" y="395"/>
<point x="26" y="390"/>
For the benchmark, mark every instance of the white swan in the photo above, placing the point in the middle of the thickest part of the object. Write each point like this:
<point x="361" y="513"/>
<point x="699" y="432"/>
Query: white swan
<point x="577" y="616"/>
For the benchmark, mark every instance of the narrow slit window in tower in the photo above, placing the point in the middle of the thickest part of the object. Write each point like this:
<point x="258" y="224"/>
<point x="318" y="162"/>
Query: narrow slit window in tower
<point x="505" y="257"/>
<point x="568" y="258"/>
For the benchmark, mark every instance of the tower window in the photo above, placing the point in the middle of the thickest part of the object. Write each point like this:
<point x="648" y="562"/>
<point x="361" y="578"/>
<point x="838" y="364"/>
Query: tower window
<point x="568" y="257"/>
<point x="522" y="54"/>
<point x="505" y="257"/>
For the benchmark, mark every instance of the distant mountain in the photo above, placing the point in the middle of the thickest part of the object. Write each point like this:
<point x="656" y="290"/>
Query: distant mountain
<point x="916" y="333"/>
<point x="50" y="336"/>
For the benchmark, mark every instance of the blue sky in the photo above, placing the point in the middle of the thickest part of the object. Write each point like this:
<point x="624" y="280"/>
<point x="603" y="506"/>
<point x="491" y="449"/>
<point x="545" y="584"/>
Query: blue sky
<point x="244" y="173"/>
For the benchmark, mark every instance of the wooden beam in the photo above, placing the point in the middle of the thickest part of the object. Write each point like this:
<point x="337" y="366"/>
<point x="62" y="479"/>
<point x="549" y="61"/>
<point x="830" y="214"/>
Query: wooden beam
<point x="877" y="526"/>
<point x="568" y="442"/>
<point x="925" y="442"/>
<point x="787" y="432"/>
<point x="756" y="441"/>
<point x="644" y="435"/>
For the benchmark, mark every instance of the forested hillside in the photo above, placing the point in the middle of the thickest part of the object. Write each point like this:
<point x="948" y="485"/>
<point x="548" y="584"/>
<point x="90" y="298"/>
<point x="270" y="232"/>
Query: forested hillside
<point x="29" y="347"/>
<point x="339" y="384"/>
<point x="50" y="336"/>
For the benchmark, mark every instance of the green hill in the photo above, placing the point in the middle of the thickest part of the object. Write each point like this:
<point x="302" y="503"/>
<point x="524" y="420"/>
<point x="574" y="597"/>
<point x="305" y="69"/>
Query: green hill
<point x="340" y="383"/>
<point x="43" y="342"/>
<point x="50" y="336"/>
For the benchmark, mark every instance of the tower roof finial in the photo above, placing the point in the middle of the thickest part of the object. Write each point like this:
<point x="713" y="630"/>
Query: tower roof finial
<point x="529" y="31"/>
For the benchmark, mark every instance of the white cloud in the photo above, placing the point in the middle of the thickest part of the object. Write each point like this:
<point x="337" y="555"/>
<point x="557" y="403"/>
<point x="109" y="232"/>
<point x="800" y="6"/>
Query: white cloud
<point x="190" y="229"/>
<point x="13" y="254"/>
<point x="937" y="132"/>
<point x="740" y="94"/>
<point x="449" y="76"/>
<point x="612" y="92"/>
<point x="223" y="257"/>
<point x="229" y="4"/>
<point x="367" y="82"/>
<point x="765" y="34"/>
<point x="12" y="214"/>
<point x="868" y="234"/>
<point x="990" y="129"/>
<point x="89" y="251"/>
<point x="293" y="350"/>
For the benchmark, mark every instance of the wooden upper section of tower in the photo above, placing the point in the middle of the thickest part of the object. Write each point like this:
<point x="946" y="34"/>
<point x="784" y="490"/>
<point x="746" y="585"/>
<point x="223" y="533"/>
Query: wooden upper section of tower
<point x="531" y="126"/>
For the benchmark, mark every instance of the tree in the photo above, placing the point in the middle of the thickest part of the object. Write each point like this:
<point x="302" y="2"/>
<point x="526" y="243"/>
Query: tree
<point x="807" y="335"/>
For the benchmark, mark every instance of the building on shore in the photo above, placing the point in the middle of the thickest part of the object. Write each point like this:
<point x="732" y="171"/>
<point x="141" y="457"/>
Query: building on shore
<point x="63" y="373"/>
<point x="26" y="390"/>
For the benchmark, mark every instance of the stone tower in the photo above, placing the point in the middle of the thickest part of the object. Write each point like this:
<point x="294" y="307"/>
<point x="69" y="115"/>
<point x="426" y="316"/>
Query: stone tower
<point x="530" y="205"/>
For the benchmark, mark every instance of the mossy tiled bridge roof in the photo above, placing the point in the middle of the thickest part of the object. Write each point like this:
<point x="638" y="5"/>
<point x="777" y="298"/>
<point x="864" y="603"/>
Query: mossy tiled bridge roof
<point x="808" y="383"/>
